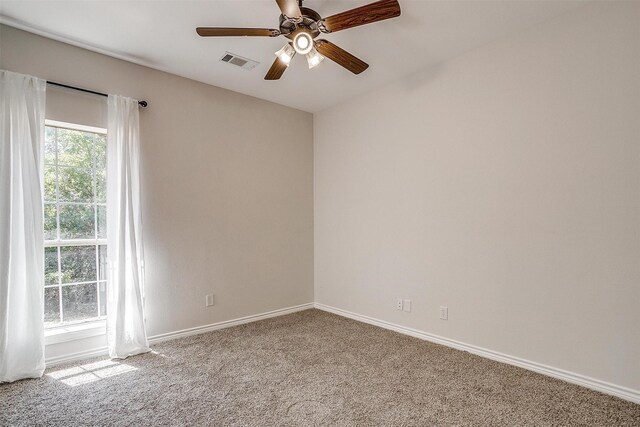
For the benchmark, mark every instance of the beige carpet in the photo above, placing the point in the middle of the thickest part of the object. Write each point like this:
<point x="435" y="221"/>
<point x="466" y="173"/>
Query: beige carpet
<point x="305" y="369"/>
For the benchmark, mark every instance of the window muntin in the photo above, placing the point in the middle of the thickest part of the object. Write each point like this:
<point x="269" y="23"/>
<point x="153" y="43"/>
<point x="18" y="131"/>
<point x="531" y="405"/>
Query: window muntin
<point x="75" y="224"/>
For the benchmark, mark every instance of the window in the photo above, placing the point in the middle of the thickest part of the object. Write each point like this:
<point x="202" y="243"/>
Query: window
<point x="75" y="245"/>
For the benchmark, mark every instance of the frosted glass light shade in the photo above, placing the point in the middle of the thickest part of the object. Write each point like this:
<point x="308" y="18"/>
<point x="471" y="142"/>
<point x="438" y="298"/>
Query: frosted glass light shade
<point x="314" y="58"/>
<point x="286" y="54"/>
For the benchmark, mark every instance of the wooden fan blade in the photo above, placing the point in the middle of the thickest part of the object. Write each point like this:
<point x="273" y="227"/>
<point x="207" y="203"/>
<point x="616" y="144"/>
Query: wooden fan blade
<point x="374" y="12"/>
<point x="276" y="71"/>
<point x="341" y="56"/>
<point x="230" y="32"/>
<point x="289" y="8"/>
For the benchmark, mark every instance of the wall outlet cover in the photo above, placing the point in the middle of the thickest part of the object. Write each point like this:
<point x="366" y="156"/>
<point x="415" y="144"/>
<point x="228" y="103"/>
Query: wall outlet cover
<point x="209" y="300"/>
<point x="407" y="305"/>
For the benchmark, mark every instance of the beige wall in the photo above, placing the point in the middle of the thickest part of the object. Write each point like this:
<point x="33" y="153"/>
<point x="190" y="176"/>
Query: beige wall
<point x="227" y="195"/>
<point x="504" y="184"/>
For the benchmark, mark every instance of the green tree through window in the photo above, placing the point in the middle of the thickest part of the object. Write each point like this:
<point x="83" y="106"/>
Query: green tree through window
<point x="74" y="225"/>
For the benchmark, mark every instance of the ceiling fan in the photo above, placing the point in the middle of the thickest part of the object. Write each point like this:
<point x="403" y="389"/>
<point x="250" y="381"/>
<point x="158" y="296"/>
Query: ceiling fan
<point x="302" y="25"/>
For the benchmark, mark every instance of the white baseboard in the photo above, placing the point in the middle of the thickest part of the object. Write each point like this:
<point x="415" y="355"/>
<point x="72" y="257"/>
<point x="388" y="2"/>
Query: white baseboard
<point x="228" y="323"/>
<point x="102" y="351"/>
<point x="591" y="383"/>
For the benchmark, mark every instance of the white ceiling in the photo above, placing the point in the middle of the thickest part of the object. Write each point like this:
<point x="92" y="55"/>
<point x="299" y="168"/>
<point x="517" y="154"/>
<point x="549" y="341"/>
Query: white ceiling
<point x="161" y="35"/>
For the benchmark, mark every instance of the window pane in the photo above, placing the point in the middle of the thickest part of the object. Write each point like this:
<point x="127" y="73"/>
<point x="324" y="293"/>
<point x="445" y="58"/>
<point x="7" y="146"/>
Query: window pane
<point x="74" y="148"/>
<point x="49" y="145"/>
<point x="102" y="222"/>
<point x="50" y="183"/>
<point x="78" y="263"/>
<point x="50" y="266"/>
<point x="101" y="185"/>
<point x="102" y="262"/>
<point x="77" y="222"/>
<point x="50" y="222"/>
<point x="79" y="302"/>
<point x="51" y="306"/>
<point x="100" y="150"/>
<point x="75" y="185"/>
<point x="103" y="298"/>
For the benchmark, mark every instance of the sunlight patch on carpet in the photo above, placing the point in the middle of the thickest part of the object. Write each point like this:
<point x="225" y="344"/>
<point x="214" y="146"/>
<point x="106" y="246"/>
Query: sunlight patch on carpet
<point x="91" y="372"/>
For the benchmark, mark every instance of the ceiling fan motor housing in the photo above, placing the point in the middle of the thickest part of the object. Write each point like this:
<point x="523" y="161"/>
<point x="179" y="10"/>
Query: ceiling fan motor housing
<point x="310" y="17"/>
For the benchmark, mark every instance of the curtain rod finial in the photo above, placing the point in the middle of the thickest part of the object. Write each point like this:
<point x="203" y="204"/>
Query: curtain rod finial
<point x="143" y="104"/>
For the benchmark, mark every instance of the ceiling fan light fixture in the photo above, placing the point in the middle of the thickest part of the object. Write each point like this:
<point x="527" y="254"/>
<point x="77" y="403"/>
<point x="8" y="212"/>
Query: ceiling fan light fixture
<point x="314" y="58"/>
<point x="303" y="42"/>
<point x="286" y="54"/>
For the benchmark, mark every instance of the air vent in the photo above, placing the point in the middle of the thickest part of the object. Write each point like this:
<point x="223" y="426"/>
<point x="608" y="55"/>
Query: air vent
<point x="239" y="61"/>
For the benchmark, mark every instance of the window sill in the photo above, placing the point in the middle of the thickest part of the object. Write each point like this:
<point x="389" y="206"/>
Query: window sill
<point x="74" y="332"/>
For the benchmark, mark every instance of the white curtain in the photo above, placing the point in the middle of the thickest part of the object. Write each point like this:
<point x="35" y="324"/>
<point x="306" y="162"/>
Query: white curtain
<point x="22" y="104"/>
<point x="126" y="333"/>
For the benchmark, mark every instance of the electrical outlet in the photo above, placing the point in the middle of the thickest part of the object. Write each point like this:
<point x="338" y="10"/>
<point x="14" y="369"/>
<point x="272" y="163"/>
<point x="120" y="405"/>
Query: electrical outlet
<point x="444" y="312"/>
<point x="399" y="304"/>
<point x="407" y="305"/>
<point x="208" y="302"/>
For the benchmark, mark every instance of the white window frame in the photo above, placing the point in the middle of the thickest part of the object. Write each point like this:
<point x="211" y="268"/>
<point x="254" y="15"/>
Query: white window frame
<point x="88" y="328"/>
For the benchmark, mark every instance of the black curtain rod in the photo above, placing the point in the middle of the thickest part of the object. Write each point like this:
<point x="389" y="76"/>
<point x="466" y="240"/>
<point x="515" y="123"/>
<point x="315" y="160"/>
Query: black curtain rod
<point x="143" y="104"/>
